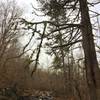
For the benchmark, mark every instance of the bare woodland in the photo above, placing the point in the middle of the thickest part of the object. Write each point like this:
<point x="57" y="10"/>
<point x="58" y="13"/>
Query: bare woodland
<point x="70" y="36"/>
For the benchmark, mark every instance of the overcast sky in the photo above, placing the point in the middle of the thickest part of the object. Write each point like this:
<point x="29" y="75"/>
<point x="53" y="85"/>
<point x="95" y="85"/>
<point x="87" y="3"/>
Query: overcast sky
<point x="27" y="7"/>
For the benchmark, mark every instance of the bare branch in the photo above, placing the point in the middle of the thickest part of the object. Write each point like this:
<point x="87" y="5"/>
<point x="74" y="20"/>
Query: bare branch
<point x="68" y="44"/>
<point x="38" y="53"/>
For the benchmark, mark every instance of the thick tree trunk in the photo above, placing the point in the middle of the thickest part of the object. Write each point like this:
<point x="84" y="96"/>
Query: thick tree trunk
<point x="92" y="69"/>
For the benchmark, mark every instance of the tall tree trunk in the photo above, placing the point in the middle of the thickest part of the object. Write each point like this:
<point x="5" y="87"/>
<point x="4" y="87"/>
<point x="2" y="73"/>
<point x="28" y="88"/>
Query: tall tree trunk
<point x="92" y="69"/>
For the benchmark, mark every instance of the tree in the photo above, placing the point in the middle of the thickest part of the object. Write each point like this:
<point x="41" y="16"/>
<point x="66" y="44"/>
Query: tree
<point x="78" y="18"/>
<point x="9" y="29"/>
<point x="10" y="32"/>
<point x="93" y="71"/>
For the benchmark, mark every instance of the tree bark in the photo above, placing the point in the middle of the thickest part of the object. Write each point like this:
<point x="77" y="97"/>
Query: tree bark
<point x="92" y="68"/>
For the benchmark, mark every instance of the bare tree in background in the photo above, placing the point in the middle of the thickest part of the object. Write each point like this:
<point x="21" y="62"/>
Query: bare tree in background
<point x="9" y="33"/>
<point x="9" y="29"/>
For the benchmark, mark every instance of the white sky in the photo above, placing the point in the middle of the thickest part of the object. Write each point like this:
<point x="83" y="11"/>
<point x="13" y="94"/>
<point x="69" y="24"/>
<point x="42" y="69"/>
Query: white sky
<point x="26" y="4"/>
